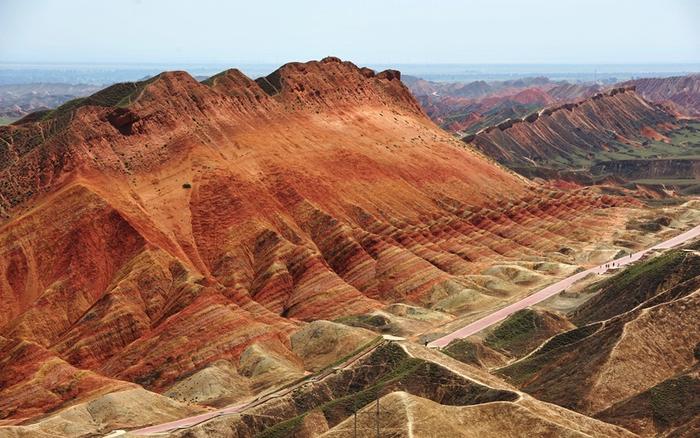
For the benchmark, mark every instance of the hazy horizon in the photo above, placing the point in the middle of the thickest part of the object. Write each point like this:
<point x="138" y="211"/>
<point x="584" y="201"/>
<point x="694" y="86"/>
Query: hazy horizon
<point x="107" y="73"/>
<point x="566" y="32"/>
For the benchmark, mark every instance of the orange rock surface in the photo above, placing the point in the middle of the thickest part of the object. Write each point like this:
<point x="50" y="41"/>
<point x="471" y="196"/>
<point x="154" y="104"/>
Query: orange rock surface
<point x="156" y="227"/>
<point x="573" y="131"/>
<point x="682" y="93"/>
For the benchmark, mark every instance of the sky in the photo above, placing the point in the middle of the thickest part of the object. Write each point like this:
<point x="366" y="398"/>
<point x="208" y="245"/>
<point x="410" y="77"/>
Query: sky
<point x="368" y="32"/>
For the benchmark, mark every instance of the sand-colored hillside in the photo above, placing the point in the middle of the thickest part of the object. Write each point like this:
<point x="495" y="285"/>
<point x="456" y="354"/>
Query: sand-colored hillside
<point x="127" y="408"/>
<point x="405" y="415"/>
<point x="637" y="337"/>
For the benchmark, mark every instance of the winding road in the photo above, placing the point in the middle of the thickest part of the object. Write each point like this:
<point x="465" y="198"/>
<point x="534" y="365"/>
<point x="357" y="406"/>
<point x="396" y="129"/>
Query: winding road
<point x="555" y="288"/>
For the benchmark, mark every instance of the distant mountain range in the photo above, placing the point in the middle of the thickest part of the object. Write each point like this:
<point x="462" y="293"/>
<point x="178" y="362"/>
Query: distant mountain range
<point x="468" y="107"/>
<point x="680" y="92"/>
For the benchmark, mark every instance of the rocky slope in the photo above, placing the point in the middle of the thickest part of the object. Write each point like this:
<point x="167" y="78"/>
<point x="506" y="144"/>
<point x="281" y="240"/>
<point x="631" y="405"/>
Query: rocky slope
<point x="662" y="168"/>
<point x="679" y="92"/>
<point x="574" y="92"/>
<point x="569" y="136"/>
<point x="159" y="232"/>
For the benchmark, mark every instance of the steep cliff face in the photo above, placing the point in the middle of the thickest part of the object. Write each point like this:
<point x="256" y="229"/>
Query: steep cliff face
<point x="570" y="135"/>
<point x="680" y="92"/>
<point x="157" y="227"/>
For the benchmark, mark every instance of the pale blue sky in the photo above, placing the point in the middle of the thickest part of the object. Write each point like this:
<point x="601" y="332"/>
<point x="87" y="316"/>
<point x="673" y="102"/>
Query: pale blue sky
<point x="389" y="31"/>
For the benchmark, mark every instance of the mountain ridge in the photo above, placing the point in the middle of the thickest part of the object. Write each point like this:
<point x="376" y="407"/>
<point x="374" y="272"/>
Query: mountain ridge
<point x="566" y="136"/>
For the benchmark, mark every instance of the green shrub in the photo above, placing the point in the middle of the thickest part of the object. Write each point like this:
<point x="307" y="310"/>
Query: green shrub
<point x="462" y="350"/>
<point x="515" y="329"/>
<point x="669" y="399"/>
<point x="568" y="338"/>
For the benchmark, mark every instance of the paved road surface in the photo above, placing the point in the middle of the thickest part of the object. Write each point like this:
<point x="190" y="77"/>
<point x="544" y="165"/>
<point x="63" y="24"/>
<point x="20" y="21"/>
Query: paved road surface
<point x="554" y="289"/>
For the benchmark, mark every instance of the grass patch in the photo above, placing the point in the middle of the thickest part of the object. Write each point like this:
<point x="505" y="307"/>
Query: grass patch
<point x="463" y="351"/>
<point x="655" y="269"/>
<point x="652" y="270"/>
<point x="674" y="399"/>
<point x="402" y="366"/>
<point x="211" y="80"/>
<point x="370" y="322"/>
<point x="522" y="371"/>
<point x="357" y="351"/>
<point x="515" y="331"/>
<point x="284" y="429"/>
<point x="636" y="284"/>
<point x="567" y="338"/>
<point x="366" y="346"/>
<point x="387" y="370"/>
<point x="360" y="399"/>
<point x="119" y="95"/>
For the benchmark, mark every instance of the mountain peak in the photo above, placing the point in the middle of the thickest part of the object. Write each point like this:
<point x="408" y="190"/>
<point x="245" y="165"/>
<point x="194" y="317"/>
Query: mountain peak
<point x="334" y="83"/>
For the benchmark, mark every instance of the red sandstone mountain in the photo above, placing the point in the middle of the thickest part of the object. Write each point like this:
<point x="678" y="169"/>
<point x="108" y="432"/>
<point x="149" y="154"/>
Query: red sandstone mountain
<point x="679" y="92"/>
<point x="568" y="135"/>
<point x="155" y="228"/>
<point x="573" y="92"/>
<point x="469" y="107"/>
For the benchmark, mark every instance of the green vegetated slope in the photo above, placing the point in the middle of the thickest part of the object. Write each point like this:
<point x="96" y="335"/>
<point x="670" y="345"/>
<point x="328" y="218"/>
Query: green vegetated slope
<point x="673" y="404"/>
<point x="639" y="283"/>
<point x="525" y="330"/>
<point x="637" y="342"/>
<point x="119" y="95"/>
<point x="674" y="162"/>
<point x="397" y="372"/>
<point x="516" y="336"/>
<point x="476" y="353"/>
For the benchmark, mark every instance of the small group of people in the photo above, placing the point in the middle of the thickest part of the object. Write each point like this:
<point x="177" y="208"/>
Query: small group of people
<point x="614" y="264"/>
